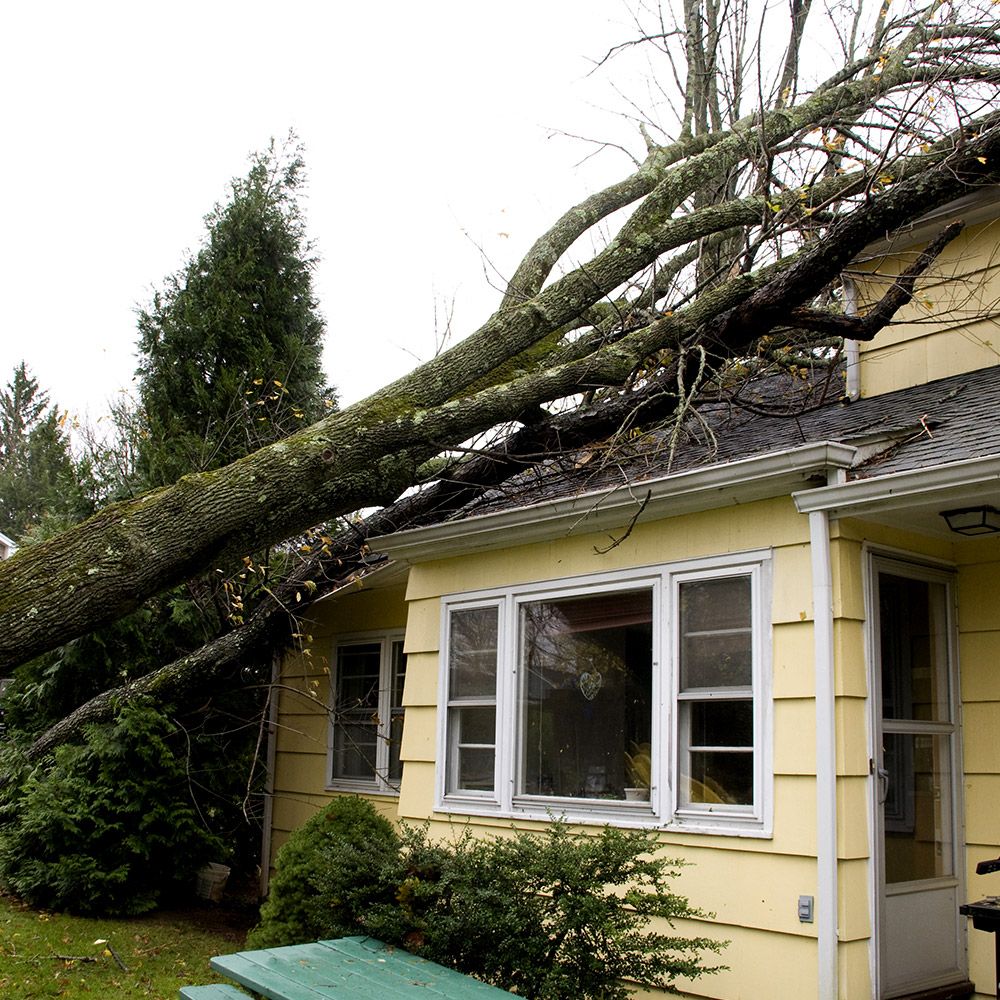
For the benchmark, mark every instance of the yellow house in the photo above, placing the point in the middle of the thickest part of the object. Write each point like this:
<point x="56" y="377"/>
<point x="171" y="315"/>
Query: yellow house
<point x="784" y="655"/>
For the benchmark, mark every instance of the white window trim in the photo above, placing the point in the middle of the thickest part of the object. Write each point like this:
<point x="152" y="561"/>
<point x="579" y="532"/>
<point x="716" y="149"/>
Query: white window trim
<point x="662" y="810"/>
<point x="380" y="783"/>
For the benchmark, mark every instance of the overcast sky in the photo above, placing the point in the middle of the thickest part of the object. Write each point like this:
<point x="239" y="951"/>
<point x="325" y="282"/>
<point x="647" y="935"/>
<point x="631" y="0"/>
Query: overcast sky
<point x="427" y="131"/>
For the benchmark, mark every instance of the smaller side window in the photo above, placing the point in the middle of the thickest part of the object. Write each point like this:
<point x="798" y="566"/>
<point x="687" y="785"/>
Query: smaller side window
<point x="472" y="700"/>
<point x="716" y="693"/>
<point x="367" y="720"/>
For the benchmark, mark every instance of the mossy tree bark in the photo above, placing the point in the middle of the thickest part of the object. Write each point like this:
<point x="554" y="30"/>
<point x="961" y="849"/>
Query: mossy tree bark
<point x="786" y="238"/>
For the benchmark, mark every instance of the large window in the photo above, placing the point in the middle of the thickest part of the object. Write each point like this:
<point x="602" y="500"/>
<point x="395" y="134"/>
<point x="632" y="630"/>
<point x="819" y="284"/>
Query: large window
<point x="637" y="695"/>
<point x="367" y="713"/>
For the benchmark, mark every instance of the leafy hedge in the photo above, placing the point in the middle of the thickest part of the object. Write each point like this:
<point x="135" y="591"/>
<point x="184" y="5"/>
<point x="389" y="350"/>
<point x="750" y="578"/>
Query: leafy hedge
<point x="554" y="916"/>
<point x="91" y="831"/>
<point x="327" y="875"/>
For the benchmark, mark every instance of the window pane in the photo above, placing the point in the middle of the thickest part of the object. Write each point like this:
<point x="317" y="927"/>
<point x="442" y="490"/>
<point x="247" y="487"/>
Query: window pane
<point x="398" y="673"/>
<point x="472" y="654"/>
<point x="587" y="687"/>
<point x="358" y="676"/>
<point x="715" y="647"/>
<point x="914" y="649"/>
<point x="918" y="807"/>
<point x="475" y="725"/>
<point x="721" y="723"/>
<point x="707" y="605"/>
<point x="719" y="777"/>
<point x="395" y="739"/>
<point x="354" y="748"/>
<point x="475" y="769"/>
<point x="473" y="735"/>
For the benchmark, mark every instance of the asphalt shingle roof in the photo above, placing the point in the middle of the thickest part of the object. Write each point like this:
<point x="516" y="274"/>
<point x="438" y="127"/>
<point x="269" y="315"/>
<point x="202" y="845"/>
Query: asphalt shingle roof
<point x="944" y="421"/>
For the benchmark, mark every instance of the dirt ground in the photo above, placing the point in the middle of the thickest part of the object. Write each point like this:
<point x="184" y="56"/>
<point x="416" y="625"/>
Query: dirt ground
<point x="232" y="918"/>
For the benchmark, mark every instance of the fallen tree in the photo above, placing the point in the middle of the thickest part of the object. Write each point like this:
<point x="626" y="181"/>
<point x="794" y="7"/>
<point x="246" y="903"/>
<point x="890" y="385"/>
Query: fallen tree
<point x="735" y="232"/>
<point x="344" y="559"/>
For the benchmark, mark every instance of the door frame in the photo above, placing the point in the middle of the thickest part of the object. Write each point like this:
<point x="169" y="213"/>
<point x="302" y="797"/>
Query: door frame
<point x="907" y="564"/>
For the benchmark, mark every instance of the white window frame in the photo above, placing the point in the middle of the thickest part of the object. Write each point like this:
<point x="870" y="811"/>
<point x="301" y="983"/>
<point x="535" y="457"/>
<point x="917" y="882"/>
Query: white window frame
<point x="380" y="782"/>
<point x="663" y="808"/>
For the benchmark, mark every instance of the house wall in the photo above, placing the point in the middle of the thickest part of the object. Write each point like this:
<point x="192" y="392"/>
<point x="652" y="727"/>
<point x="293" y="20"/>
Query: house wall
<point x="751" y="884"/>
<point x="979" y="664"/>
<point x="977" y="584"/>
<point x="300" y="783"/>
<point x="950" y="326"/>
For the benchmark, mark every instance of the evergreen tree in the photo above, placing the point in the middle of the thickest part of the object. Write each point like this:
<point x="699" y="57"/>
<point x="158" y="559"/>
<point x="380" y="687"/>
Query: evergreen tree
<point x="229" y="360"/>
<point x="39" y="488"/>
<point x="230" y="347"/>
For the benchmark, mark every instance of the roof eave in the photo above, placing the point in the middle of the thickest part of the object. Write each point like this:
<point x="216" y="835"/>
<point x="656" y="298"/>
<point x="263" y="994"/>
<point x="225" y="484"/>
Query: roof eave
<point x="757" y="478"/>
<point x="980" y="205"/>
<point x="941" y="484"/>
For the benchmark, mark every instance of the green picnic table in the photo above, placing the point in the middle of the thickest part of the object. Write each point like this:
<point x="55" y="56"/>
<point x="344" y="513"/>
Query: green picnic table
<point x="350" y="968"/>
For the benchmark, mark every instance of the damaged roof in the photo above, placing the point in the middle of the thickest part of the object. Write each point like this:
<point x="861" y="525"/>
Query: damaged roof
<point x="937" y="423"/>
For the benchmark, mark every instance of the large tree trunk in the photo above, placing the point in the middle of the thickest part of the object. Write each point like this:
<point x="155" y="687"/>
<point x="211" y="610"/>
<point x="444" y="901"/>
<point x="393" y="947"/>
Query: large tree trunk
<point x="369" y="453"/>
<point x="335" y="565"/>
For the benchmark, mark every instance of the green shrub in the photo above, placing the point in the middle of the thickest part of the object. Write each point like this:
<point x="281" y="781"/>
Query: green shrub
<point x="327" y="873"/>
<point x="555" y="916"/>
<point x="89" y="832"/>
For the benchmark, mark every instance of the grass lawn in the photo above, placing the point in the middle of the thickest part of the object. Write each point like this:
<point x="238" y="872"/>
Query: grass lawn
<point x="44" y="954"/>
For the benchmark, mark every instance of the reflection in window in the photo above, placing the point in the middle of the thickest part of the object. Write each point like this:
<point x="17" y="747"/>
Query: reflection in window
<point x="472" y="688"/>
<point x="716" y="692"/>
<point x="368" y="713"/>
<point x="587" y="693"/>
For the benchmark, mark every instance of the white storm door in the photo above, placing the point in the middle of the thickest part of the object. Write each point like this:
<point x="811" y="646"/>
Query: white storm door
<point x="921" y="936"/>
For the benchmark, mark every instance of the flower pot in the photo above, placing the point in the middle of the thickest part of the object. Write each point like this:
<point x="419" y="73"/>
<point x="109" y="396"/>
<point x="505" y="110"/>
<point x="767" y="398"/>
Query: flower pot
<point x="211" y="882"/>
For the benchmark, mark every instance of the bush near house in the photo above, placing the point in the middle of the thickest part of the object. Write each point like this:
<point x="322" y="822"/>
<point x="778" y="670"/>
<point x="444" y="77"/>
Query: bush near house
<point x="89" y="832"/>
<point x="554" y="916"/>
<point x="327" y="874"/>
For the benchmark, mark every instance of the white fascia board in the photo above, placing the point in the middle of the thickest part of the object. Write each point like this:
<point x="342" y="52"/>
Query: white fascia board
<point x="8" y="543"/>
<point x="384" y="575"/>
<point x="770" y="475"/>
<point x="939" y="484"/>
<point x="980" y="205"/>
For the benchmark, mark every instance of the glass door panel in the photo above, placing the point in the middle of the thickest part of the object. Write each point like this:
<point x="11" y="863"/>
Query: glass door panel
<point x="920" y="943"/>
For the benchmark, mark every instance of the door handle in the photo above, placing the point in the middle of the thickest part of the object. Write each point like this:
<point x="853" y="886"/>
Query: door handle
<point x="883" y="784"/>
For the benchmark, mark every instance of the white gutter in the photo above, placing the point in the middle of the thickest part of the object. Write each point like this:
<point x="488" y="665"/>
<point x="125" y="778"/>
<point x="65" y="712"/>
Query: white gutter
<point x="827" y="898"/>
<point x="936" y="484"/>
<point x="773" y="474"/>
<point x="852" y="350"/>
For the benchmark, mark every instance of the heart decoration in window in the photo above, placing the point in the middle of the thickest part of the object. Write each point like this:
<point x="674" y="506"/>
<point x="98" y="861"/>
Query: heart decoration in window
<point x="591" y="682"/>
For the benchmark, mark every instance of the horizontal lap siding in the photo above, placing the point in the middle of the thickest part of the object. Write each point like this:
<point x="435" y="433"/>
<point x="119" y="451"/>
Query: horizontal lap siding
<point x="752" y="885"/>
<point x="948" y="328"/>
<point x="301" y="735"/>
<point x="979" y="660"/>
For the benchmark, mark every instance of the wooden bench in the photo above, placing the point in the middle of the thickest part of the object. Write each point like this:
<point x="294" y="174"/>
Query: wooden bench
<point x="218" y="991"/>
<point x="351" y="968"/>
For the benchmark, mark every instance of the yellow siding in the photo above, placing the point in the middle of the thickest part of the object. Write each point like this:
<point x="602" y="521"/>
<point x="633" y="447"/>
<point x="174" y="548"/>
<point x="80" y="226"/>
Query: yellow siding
<point x="732" y="529"/>
<point x="950" y="325"/>
<point x="849" y="655"/>
<point x="791" y="660"/>
<point x="751" y="883"/>
<point x="979" y="663"/>
<point x="299" y="778"/>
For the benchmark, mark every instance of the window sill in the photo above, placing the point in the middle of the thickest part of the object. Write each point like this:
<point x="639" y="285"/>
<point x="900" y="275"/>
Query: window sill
<point x="628" y="815"/>
<point x="361" y="788"/>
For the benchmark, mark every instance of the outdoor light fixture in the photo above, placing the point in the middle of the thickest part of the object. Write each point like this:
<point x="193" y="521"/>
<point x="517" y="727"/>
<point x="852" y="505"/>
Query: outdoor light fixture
<point x="973" y="520"/>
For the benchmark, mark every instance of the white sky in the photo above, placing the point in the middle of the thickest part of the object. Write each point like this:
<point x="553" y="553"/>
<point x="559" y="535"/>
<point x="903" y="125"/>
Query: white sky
<point x="123" y="123"/>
